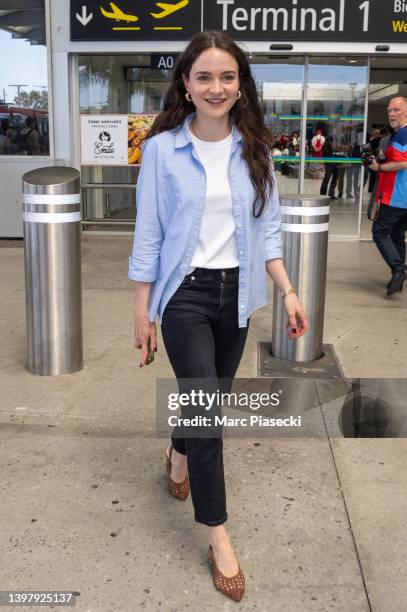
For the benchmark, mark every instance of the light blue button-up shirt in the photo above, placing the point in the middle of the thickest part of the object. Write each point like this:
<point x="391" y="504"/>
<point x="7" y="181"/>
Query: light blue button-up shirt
<point x="171" y="191"/>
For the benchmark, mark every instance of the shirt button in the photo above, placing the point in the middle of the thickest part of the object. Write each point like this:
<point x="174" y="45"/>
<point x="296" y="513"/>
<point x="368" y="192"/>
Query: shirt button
<point x="239" y="225"/>
<point x="242" y="306"/>
<point x="241" y="252"/>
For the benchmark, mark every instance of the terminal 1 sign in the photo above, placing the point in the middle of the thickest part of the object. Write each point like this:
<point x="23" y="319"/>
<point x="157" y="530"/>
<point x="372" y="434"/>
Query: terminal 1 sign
<point x="317" y="20"/>
<point x="265" y="20"/>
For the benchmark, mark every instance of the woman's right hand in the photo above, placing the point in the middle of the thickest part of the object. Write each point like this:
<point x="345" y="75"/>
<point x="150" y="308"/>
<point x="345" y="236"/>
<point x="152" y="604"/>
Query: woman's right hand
<point x="144" y="331"/>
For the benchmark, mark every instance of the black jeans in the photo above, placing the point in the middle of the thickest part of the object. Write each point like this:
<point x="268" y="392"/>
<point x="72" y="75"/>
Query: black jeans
<point x="203" y="340"/>
<point x="331" y="179"/>
<point x="389" y="235"/>
<point x="341" y="179"/>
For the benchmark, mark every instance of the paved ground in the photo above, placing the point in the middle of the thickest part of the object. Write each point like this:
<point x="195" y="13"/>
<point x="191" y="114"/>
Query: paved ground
<point x="319" y="523"/>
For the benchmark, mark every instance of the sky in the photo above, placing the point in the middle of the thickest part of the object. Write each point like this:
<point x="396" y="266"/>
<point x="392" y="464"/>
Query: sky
<point x="21" y="62"/>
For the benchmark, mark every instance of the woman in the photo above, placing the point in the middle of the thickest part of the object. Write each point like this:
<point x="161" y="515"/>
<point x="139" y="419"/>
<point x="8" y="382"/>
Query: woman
<point x="207" y="229"/>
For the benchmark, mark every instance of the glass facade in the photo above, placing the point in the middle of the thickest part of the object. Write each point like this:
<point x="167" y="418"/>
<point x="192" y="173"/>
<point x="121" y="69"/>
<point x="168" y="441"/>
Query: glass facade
<point x="280" y="83"/>
<point x="24" y="125"/>
<point x="335" y="118"/>
<point x="315" y="107"/>
<point x="119" y="84"/>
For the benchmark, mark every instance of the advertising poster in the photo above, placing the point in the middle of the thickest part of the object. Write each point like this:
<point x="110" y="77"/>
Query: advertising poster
<point x="104" y="140"/>
<point x="113" y="140"/>
<point x="138" y="126"/>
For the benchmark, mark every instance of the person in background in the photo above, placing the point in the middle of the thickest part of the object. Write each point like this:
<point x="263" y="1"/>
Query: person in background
<point x="27" y="139"/>
<point x="353" y="171"/>
<point x="3" y="140"/>
<point x="9" y="145"/>
<point x="283" y="142"/>
<point x="207" y="233"/>
<point x="390" y="226"/>
<point x="342" y="152"/>
<point x="330" y="179"/>
<point x="294" y="144"/>
<point x="276" y="152"/>
<point x="317" y="143"/>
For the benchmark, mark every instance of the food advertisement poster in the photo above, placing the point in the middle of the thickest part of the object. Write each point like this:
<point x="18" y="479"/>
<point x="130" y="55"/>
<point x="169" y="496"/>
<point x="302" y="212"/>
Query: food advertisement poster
<point x="113" y="140"/>
<point x="138" y="126"/>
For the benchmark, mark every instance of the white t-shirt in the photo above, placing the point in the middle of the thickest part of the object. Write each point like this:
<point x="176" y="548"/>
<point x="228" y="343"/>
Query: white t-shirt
<point x="216" y="246"/>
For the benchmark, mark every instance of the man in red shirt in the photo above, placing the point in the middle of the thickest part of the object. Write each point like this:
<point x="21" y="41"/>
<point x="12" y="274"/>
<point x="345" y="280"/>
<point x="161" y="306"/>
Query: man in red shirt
<point x="390" y="227"/>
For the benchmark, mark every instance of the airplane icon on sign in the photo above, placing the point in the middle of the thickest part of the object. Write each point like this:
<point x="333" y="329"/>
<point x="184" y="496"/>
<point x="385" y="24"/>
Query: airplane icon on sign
<point x="118" y="14"/>
<point x="167" y="9"/>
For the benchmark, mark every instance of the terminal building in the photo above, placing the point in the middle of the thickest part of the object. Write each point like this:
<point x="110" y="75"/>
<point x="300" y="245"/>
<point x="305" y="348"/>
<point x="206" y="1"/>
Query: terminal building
<point x="81" y="79"/>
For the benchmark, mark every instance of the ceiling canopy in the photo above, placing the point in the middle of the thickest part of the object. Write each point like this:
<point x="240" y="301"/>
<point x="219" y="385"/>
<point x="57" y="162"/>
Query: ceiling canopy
<point x="24" y="19"/>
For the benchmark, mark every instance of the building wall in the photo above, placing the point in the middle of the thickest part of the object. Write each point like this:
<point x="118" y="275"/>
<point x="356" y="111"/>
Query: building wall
<point x="63" y="96"/>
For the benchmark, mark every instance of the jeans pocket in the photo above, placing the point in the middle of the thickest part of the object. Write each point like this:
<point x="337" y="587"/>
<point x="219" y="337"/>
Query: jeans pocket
<point x="187" y="282"/>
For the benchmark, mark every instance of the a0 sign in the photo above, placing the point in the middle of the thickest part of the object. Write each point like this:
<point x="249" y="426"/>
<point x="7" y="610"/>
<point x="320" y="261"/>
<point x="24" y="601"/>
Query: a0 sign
<point x="163" y="61"/>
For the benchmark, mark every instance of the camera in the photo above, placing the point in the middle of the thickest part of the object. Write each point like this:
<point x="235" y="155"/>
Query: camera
<point x="368" y="156"/>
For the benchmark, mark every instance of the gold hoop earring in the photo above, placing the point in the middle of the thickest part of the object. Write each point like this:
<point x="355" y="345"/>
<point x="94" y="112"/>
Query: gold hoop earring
<point x="188" y="96"/>
<point x="239" y="94"/>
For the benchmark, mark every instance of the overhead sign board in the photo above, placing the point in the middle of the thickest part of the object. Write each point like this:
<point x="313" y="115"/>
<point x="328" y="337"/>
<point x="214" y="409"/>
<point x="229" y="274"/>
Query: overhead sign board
<point x="305" y="20"/>
<point x="130" y="20"/>
<point x="265" y="20"/>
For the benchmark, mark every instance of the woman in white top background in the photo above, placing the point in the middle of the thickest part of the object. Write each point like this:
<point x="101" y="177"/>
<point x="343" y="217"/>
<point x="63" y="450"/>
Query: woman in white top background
<point x="207" y="233"/>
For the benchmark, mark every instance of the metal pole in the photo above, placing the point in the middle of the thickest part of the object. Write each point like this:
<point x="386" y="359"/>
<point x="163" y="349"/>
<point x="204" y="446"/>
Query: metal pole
<point x="305" y="220"/>
<point x="52" y="251"/>
<point x="303" y="129"/>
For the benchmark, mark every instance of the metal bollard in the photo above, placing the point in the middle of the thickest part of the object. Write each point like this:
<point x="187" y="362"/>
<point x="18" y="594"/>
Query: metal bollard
<point x="305" y="220"/>
<point x="52" y="253"/>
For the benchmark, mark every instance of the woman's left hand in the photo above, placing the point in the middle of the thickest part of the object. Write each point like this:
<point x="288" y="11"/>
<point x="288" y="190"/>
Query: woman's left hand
<point x="297" y="319"/>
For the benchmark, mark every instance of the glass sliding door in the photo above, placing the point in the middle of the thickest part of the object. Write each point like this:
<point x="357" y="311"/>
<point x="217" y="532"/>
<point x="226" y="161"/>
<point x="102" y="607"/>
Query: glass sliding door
<point x="280" y="82"/>
<point x="315" y="107"/>
<point x="110" y="85"/>
<point x="336" y="95"/>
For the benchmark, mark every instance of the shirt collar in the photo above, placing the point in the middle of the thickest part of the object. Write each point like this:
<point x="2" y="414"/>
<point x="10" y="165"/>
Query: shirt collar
<point x="182" y="137"/>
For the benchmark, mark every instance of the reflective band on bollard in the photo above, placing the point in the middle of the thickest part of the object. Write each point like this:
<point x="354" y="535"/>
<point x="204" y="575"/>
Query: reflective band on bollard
<point x="52" y="251"/>
<point x="58" y="200"/>
<point x="304" y="224"/>
<point x="30" y="217"/>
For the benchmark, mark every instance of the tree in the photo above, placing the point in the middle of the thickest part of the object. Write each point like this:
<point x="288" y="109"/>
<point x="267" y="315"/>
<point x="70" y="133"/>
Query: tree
<point x="32" y="99"/>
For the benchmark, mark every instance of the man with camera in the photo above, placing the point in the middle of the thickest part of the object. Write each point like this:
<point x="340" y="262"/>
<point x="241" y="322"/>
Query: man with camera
<point x="391" y="224"/>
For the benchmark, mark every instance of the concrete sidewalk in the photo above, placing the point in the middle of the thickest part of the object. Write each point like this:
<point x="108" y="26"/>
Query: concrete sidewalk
<point x="318" y="524"/>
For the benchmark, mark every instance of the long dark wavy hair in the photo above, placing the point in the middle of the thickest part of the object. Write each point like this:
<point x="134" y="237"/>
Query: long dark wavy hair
<point x="246" y="113"/>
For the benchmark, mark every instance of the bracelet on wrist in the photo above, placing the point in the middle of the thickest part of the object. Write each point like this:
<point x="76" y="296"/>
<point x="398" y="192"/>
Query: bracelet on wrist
<point x="288" y="292"/>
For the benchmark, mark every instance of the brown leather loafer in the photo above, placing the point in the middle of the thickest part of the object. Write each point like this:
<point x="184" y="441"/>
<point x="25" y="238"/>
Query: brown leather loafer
<point x="232" y="587"/>
<point x="180" y="490"/>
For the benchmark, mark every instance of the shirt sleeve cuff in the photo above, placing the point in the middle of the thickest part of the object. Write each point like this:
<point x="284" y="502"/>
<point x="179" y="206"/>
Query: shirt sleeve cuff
<point x="274" y="253"/>
<point x="145" y="276"/>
